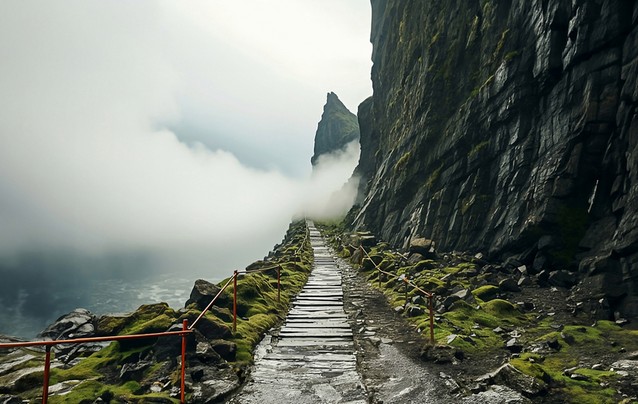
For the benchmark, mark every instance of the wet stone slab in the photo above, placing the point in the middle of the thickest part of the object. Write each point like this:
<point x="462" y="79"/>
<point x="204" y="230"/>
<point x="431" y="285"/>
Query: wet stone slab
<point x="312" y="359"/>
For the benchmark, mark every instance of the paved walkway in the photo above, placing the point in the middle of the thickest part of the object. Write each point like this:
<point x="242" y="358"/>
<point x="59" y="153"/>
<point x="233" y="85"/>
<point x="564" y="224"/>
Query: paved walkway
<point x="312" y="360"/>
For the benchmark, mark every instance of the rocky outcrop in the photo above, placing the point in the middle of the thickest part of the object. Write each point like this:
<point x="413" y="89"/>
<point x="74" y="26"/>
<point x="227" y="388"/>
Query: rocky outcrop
<point x="338" y="127"/>
<point x="508" y="128"/>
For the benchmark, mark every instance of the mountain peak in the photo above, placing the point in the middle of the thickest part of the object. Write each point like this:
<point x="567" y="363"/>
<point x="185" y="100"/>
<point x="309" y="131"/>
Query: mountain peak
<point x="337" y="127"/>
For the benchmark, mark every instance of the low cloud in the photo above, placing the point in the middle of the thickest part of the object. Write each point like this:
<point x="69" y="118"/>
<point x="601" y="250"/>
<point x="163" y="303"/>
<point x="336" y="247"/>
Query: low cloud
<point x="88" y="164"/>
<point x="332" y="176"/>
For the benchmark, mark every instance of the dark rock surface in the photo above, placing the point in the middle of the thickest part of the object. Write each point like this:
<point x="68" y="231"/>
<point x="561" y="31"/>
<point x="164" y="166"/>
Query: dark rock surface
<point x="508" y="128"/>
<point x="202" y="294"/>
<point x="338" y="127"/>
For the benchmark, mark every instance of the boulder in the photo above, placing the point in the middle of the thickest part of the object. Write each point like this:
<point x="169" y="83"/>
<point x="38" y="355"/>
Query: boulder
<point x="202" y="294"/>
<point x="225" y="349"/>
<point x="562" y="278"/>
<point x="80" y="323"/>
<point x="509" y="376"/>
<point x="414" y="310"/>
<point x="509" y="285"/>
<point x="423" y="246"/>
<point x="441" y="354"/>
<point x="414" y="258"/>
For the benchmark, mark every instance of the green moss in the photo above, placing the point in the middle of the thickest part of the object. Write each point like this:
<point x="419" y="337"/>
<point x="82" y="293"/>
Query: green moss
<point x="433" y="178"/>
<point x="486" y="292"/>
<point x="401" y="163"/>
<point x="510" y="55"/>
<point x="477" y="149"/>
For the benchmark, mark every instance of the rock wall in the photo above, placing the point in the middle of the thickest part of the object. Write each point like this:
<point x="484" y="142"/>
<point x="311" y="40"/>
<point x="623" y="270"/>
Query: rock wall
<point x="508" y="127"/>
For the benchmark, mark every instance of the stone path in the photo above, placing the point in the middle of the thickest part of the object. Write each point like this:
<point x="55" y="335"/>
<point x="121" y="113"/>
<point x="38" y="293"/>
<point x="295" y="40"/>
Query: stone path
<point x="312" y="360"/>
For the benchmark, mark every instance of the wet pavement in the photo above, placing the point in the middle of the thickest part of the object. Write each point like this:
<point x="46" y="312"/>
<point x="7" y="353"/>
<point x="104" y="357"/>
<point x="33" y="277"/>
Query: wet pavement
<point x="312" y="359"/>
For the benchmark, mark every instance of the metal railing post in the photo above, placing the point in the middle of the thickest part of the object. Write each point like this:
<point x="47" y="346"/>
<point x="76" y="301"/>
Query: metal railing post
<point x="47" y="369"/>
<point x="183" y="378"/>
<point x="278" y="284"/>
<point x="235" y="301"/>
<point x="431" y="306"/>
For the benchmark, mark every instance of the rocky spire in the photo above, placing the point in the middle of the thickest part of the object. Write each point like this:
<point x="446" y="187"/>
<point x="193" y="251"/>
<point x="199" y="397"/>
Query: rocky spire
<point x="337" y="128"/>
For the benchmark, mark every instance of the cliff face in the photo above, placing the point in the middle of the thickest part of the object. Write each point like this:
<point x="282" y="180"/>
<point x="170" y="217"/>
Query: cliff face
<point x="337" y="128"/>
<point x="511" y="128"/>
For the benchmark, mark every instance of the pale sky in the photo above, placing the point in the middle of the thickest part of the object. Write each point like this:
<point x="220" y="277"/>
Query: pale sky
<point x="183" y="127"/>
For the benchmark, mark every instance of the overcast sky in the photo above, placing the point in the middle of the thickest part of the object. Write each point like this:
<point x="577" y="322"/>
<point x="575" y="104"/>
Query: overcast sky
<point x="173" y="126"/>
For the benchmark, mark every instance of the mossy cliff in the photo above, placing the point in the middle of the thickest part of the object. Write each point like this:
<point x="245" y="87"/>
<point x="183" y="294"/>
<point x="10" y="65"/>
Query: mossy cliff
<point x="145" y="371"/>
<point x="510" y="128"/>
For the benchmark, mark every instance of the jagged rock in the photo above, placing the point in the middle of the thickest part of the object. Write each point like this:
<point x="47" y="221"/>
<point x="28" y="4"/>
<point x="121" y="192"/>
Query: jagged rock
<point x="413" y="310"/>
<point x="448" y="301"/>
<point x="513" y="346"/>
<point x="440" y="354"/>
<point x="9" y="399"/>
<point x="495" y="394"/>
<point x="415" y="258"/>
<point x="562" y="278"/>
<point x="338" y="127"/>
<point x="509" y="285"/>
<point x="509" y="376"/>
<point x="202" y="294"/>
<point x="522" y="170"/>
<point x="80" y="323"/>
<point x="134" y="371"/>
<point x="418" y="300"/>
<point x="225" y="349"/>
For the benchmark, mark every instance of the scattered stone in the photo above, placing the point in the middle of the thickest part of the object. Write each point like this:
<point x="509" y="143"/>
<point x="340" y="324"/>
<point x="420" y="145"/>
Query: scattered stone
<point x="448" y="301"/>
<point x="440" y="354"/>
<point x="134" y="371"/>
<point x="386" y="341"/>
<point x="8" y="399"/>
<point x="509" y="376"/>
<point x="526" y="306"/>
<point x="513" y="346"/>
<point x="524" y="281"/>
<point x="554" y="344"/>
<point x="578" y="376"/>
<point x="569" y="339"/>
<point x="509" y="285"/>
<point x="598" y="366"/>
<point x="413" y="310"/>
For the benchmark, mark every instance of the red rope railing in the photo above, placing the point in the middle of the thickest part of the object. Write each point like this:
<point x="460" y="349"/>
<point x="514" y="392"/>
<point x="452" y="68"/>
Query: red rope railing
<point x="407" y="282"/>
<point x="185" y="330"/>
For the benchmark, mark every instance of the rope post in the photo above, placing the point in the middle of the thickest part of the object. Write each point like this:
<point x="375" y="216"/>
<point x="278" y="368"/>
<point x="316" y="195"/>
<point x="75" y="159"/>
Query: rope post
<point x="183" y="374"/>
<point x="47" y="369"/>
<point x="235" y="301"/>
<point x="361" y="255"/>
<point x="431" y="306"/>
<point x="379" y="276"/>
<point x="278" y="284"/>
